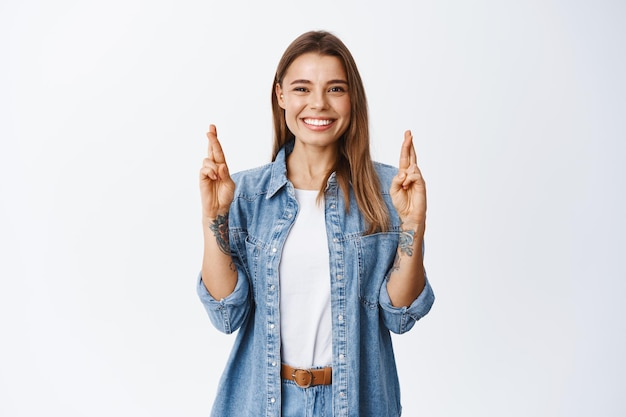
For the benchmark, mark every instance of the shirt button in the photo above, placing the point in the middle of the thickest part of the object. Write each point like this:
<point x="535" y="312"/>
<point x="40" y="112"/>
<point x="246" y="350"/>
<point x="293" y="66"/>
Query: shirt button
<point x="272" y="326"/>
<point x="342" y="356"/>
<point x="289" y="216"/>
<point x="272" y="287"/>
<point x="339" y="277"/>
<point x="340" y="317"/>
<point x="274" y="250"/>
<point x="335" y="240"/>
<point x="273" y="400"/>
<point x="332" y="206"/>
<point x="342" y="394"/>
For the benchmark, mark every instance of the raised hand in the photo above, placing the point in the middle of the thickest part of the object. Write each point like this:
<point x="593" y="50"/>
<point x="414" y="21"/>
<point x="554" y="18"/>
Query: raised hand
<point x="408" y="189"/>
<point x="217" y="189"/>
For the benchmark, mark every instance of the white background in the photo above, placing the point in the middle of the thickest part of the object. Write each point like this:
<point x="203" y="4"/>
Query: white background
<point x="518" y="110"/>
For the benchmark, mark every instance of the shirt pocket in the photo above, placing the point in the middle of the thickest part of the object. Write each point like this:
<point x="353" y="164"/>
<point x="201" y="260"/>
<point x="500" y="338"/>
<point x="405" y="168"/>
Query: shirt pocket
<point x="254" y="247"/>
<point x="375" y="254"/>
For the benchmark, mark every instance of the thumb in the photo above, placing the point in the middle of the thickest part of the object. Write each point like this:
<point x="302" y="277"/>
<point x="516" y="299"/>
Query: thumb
<point x="396" y="182"/>
<point x="223" y="173"/>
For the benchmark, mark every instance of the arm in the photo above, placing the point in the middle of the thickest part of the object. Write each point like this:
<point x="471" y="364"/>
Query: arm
<point x="408" y="193"/>
<point x="407" y="278"/>
<point x="217" y="191"/>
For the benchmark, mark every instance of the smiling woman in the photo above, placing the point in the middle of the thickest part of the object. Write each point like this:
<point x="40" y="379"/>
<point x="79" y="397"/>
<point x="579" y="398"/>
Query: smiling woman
<point x="322" y="226"/>
<point x="316" y="102"/>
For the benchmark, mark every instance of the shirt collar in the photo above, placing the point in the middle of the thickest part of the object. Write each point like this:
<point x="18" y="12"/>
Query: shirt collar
<point x="279" y="170"/>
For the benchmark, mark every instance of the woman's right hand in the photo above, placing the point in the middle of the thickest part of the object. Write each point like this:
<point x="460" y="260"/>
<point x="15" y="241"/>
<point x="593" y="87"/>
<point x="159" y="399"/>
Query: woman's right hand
<point x="217" y="189"/>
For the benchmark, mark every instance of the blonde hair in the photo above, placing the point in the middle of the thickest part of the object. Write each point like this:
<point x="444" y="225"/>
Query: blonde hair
<point x="354" y="163"/>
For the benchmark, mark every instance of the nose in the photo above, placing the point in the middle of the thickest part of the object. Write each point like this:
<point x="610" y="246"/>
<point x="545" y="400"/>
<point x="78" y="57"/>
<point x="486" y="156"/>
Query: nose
<point x="318" y="100"/>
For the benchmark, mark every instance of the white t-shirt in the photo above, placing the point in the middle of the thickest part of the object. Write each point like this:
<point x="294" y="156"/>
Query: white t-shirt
<point x="305" y="316"/>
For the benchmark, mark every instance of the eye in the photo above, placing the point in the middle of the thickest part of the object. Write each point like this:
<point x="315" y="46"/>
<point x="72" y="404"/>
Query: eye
<point x="337" y="89"/>
<point x="300" y="89"/>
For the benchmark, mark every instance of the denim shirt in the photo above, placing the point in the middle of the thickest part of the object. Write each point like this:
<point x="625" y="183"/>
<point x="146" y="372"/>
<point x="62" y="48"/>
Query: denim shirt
<point x="365" y="380"/>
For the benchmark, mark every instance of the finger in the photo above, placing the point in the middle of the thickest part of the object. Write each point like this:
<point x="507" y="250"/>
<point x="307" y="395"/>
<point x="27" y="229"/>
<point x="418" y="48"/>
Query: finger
<point x="396" y="182"/>
<point x="215" y="148"/>
<point x="222" y="171"/>
<point x="208" y="171"/>
<point x="210" y="167"/>
<point x="414" y="178"/>
<point x="211" y="134"/>
<point x="405" y="151"/>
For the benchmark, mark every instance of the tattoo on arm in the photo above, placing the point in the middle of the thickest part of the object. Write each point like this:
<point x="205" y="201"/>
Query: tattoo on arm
<point x="405" y="247"/>
<point x="405" y="244"/>
<point x="219" y="227"/>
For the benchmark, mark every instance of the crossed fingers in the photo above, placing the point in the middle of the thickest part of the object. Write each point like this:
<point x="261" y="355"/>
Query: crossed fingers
<point x="214" y="165"/>
<point x="408" y="162"/>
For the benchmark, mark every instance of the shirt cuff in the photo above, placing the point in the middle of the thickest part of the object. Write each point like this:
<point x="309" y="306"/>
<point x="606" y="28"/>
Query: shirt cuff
<point x="402" y="319"/>
<point x="236" y="298"/>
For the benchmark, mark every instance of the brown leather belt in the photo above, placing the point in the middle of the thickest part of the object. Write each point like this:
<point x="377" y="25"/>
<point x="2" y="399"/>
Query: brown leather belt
<point x="305" y="378"/>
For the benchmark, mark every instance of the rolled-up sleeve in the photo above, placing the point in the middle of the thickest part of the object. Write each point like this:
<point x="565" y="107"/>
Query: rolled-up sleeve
<point x="401" y="319"/>
<point x="227" y="314"/>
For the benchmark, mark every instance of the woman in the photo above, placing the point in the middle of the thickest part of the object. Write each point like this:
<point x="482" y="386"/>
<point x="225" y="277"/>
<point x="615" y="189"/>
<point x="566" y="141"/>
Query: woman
<point x="316" y="256"/>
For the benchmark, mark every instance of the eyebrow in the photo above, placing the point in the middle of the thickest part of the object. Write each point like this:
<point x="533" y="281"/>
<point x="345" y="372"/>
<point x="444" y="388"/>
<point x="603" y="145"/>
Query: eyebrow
<point x="339" y="81"/>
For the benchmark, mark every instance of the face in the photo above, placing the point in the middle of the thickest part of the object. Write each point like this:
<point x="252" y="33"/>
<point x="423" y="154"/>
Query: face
<point x="314" y="95"/>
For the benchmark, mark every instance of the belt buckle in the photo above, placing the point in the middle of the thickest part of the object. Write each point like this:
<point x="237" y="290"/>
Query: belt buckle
<point x="308" y="371"/>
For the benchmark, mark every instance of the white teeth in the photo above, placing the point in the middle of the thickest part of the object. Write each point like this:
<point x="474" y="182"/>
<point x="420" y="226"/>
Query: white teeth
<point x="317" y="122"/>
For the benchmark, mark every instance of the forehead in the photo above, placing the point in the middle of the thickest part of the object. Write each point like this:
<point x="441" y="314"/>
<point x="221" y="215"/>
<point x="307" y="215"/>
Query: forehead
<point x="315" y="67"/>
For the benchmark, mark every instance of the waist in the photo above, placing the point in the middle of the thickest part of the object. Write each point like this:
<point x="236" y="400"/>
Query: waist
<point x="305" y="378"/>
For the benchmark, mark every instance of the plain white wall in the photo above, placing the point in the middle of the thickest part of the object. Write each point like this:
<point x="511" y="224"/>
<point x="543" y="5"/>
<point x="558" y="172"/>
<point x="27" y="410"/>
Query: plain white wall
<point x="518" y="110"/>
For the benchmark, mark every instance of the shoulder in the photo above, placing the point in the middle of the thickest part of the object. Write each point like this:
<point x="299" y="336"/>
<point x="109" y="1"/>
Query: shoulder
<point x="252" y="174"/>
<point x="254" y="180"/>
<point x="385" y="173"/>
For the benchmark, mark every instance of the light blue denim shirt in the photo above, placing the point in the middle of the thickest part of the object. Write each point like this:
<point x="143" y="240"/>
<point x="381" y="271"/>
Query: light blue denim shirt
<point x="365" y="380"/>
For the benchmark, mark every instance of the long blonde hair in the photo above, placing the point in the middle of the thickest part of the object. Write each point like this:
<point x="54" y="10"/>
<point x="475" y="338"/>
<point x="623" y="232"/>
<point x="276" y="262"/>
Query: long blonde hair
<point x="354" y="163"/>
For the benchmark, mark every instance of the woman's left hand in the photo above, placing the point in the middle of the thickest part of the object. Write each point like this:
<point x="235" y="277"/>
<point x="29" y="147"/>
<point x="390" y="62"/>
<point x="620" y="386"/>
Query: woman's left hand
<point x="408" y="189"/>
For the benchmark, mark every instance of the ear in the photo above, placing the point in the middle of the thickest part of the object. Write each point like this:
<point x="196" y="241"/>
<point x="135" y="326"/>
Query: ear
<point x="279" y="96"/>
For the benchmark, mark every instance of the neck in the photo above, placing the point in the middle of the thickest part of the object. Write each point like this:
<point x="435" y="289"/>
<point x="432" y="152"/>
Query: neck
<point x="307" y="167"/>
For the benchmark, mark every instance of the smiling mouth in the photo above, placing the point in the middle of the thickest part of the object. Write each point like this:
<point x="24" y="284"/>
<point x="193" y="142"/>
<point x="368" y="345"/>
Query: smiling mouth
<point x="317" y="122"/>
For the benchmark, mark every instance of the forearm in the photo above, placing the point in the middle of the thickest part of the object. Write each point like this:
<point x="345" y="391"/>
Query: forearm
<point x="407" y="278"/>
<point x="219" y="274"/>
